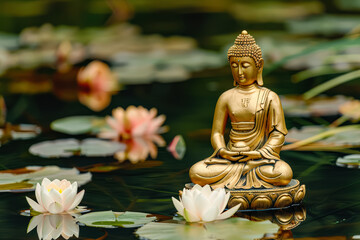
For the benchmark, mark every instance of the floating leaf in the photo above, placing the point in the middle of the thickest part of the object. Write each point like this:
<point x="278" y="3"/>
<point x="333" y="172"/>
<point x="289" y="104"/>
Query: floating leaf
<point x="338" y="44"/>
<point x="110" y="219"/>
<point x="15" y="186"/>
<point x="165" y="67"/>
<point x="90" y="147"/>
<point x="233" y="228"/>
<point x="324" y="24"/>
<point x="177" y="147"/>
<point x="18" y="132"/>
<point x="313" y="137"/>
<point x="93" y="147"/>
<point x="349" y="161"/>
<point x="25" y="179"/>
<point x="78" y="124"/>
<point x="319" y="106"/>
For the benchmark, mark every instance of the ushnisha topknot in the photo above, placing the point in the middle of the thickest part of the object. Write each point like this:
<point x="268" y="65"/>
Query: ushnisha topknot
<point x="245" y="46"/>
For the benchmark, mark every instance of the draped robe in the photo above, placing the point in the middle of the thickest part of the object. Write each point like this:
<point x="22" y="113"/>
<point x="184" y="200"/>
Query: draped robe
<point x="266" y="136"/>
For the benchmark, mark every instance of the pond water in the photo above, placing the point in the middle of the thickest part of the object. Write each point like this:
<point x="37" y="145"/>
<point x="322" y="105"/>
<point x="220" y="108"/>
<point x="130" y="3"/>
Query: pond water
<point x="331" y="206"/>
<point x="331" y="202"/>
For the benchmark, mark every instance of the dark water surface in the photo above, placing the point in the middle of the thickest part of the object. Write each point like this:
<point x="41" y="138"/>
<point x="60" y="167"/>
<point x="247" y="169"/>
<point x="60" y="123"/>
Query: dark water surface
<point x="332" y="199"/>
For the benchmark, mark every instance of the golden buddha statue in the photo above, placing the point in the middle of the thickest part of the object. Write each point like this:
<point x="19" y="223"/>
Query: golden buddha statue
<point x="250" y="160"/>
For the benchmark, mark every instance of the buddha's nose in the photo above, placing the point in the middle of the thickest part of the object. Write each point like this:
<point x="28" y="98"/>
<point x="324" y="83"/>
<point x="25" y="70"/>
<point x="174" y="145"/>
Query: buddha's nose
<point x="241" y="73"/>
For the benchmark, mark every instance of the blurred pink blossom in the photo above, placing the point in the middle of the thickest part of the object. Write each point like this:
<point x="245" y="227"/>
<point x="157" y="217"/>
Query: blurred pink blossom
<point x="96" y="85"/>
<point x="133" y="122"/>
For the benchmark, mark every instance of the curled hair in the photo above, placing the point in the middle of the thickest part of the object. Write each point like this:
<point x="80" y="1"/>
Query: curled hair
<point x="245" y="46"/>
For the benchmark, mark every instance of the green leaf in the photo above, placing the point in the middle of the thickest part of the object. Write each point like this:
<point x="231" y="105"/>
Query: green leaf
<point x="332" y="45"/>
<point x="110" y="219"/>
<point x="332" y="83"/>
<point x="315" y="72"/>
<point x="16" y="186"/>
<point x="112" y="223"/>
<point x="233" y="228"/>
<point x="76" y="125"/>
<point x="346" y="135"/>
<point x="25" y="179"/>
<point x="349" y="161"/>
<point x="90" y="147"/>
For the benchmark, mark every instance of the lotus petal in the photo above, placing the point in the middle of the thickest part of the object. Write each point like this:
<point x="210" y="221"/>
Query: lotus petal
<point x="77" y="200"/>
<point x="229" y="212"/>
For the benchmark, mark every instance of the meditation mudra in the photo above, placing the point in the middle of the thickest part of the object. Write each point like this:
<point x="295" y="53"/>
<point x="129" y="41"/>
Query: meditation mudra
<point x="250" y="160"/>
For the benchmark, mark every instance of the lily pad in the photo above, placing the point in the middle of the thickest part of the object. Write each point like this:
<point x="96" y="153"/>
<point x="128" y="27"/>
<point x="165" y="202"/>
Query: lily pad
<point x="110" y="219"/>
<point x="90" y="147"/>
<point x="76" y="125"/>
<point x="233" y="228"/>
<point x="18" y="132"/>
<point x="349" y="161"/>
<point x="320" y="138"/>
<point x="344" y="138"/>
<point x="25" y="179"/>
<point x="324" y="24"/>
<point x="296" y="106"/>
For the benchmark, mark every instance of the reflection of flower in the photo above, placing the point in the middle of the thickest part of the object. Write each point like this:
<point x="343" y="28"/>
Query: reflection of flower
<point x="351" y="109"/>
<point x="52" y="226"/>
<point x="139" y="148"/>
<point x="202" y="204"/>
<point x="56" y="196"/>
<point x="96" y="83"/>
<point x="96" y="101"/>
<point x="133" y="122"/>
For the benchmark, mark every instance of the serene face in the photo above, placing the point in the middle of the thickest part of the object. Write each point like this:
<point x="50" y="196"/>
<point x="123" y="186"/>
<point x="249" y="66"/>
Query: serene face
<point x="243" y="70"/>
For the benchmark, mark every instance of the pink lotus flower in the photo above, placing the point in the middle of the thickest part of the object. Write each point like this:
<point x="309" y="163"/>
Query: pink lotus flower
<point x="133" y="122"/>
<point x="96" y="84"/>
<point x="56" y="196"/>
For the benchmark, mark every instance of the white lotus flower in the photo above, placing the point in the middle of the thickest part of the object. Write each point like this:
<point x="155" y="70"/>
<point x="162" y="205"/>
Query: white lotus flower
<point x="54" y="225"/>
<point x="202" y="204"/>
<point x="56" y="196"/>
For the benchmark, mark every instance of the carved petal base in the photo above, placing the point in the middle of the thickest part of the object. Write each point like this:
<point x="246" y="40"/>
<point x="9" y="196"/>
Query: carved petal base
<point x="278" y="197"/>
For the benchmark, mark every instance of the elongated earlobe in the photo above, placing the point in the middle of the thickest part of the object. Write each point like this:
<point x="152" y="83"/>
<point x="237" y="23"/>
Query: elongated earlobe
<point x="259" y="80"/>
<point x="235" y="83"/>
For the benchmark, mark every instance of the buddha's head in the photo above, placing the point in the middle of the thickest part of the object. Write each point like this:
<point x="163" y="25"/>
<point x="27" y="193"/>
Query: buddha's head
<point x="245" y="60"/>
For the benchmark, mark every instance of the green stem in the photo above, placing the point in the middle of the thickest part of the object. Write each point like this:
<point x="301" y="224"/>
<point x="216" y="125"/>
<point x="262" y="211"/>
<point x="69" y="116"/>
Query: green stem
<point x="339" y="121"/>
<point x="320" y="136"/>
<point x="314" y="72"/>
<point x="331" y="83"/>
